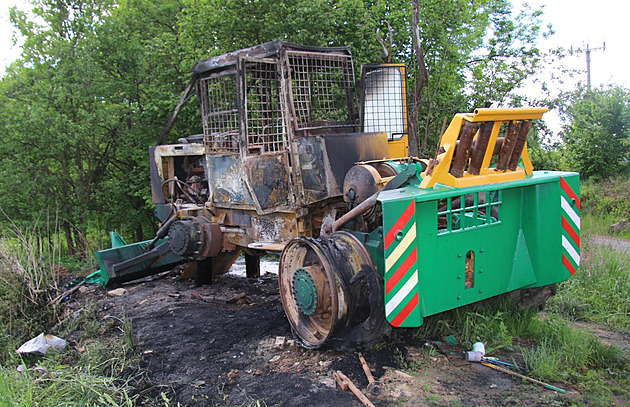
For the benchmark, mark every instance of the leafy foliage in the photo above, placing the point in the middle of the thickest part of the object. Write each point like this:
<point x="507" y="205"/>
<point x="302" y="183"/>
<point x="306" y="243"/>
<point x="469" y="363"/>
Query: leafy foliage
<point x="597" y="133"/>
<point x="98" y="80"/>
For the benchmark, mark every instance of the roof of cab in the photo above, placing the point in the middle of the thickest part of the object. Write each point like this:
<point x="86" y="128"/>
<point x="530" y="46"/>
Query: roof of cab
<point x="258" y="51"/>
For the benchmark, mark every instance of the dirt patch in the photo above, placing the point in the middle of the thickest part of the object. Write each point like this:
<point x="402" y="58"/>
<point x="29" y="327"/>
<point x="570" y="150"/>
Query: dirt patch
<point x="613" y="338"/>
<point x="204" y="351"/>
<point x="617" y="243"/>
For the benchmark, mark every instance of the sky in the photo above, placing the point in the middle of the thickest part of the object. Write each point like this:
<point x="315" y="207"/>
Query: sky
<point x="580" y="22"/>
<point x="576" y="23"/>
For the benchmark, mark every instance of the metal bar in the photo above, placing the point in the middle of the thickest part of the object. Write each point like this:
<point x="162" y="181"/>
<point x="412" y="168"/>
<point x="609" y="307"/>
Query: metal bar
<point x="345" y="384"/>
<point x="481" y="145"/>
<point x="486" y="114"/>
<point x="520" y="144"/>
<point x="529" y="379"/>
<point x="153" y="254"/>
<point x="394" y="183"/>
<point x="509" y="142"/>
<point x="463" y="149"/>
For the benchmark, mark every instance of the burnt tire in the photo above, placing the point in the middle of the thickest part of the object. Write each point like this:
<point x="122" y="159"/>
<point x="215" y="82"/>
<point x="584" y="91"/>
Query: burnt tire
<point x="331" y="292"/>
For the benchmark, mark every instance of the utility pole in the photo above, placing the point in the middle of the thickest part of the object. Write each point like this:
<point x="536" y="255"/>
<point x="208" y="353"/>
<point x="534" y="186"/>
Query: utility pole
<point x="588" y="61"/>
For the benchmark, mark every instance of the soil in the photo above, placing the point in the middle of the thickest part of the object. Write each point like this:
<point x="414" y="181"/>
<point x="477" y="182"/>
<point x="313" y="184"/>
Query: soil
<point x="617" y="243"/>
<point x="202" y="350"/>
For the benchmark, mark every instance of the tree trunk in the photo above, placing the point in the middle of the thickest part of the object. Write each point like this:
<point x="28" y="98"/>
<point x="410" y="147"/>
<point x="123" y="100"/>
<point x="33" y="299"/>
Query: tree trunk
<point x="67" y="231"/>
<point x="139" y="232"/>
<point x="421" y="79"/>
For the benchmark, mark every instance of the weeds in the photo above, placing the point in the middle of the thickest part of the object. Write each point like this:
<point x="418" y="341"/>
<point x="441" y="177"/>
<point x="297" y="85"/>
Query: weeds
<point x="27" y="282"/>
<point x="604" y="203"/>
<point x="99" y="365"/>
<point x="496" y="323"/>
<point x="599" y="290"/>
<point x="565" y="353"/>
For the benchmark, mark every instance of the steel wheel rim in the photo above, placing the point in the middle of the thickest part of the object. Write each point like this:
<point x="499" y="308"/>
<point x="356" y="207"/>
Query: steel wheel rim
<point x="315" y="329"/>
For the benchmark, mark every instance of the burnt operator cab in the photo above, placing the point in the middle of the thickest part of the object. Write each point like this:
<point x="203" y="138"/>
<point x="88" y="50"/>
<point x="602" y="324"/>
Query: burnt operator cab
<point x="281" y="130"/>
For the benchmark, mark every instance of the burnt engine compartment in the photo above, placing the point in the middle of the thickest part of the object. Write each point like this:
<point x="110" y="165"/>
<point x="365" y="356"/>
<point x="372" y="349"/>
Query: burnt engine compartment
<point x="188" y="181"/>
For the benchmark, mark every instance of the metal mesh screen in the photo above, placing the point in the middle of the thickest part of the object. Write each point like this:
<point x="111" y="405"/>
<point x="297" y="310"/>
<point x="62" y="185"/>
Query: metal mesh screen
<point x="469" y="211"/>
<point x="322" y="88"/>
<point x="265" y="130"/>
<point x="220" y="114"/>
<point x="384" y="102"/>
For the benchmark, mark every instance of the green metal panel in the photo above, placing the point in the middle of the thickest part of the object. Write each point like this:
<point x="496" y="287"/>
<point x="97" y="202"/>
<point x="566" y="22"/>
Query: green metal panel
<point x="121" y="252"/>
<point x="515" y="242"/>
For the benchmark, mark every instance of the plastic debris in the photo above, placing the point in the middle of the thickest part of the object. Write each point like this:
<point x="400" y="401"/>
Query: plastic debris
<point x="451" y="339"/>
<point x="40" y="344"/>
<point x="477" y="353"/>
<point x="479" y="347"/>
<point x="474" y="356"/>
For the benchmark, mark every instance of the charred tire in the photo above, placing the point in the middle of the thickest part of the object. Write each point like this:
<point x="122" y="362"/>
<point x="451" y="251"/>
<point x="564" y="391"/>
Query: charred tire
<point x="331" y="292"/>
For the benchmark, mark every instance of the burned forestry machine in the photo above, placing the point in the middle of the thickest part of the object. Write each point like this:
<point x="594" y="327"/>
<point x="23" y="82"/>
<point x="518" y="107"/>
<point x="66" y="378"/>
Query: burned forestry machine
<point x="293" y="161"/>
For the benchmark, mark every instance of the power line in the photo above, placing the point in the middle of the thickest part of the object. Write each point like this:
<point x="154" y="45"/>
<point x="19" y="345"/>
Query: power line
<point x="587" y="51"/>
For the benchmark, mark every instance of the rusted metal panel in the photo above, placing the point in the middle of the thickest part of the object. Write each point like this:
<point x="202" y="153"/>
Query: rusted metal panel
<point x="226" y="180"/>
<point x="312" y="168"/>
<point x="279" y="227"/>
<point x="268" y="181"/>
<point x="345" y="150"/>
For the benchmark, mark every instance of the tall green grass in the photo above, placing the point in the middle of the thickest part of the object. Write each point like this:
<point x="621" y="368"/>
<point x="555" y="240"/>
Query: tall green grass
<point x="496" y="323"/>
<point x="605" y="203"/>
<point x="600" y="290"/>
<point x="99" y="363"/>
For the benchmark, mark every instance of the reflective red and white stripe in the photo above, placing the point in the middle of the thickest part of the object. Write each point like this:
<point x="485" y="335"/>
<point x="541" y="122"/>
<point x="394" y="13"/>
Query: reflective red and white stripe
<point x="401" y="271"/>
<point x="571" y="224"/>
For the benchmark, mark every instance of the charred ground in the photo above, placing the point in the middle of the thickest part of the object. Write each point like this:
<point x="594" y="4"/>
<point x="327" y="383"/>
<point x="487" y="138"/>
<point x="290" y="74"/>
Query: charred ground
<point x="201" y="350"/>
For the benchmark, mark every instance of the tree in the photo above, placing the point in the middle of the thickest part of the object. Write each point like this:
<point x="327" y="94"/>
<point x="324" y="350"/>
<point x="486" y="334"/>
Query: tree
<point x="597" y="130"/>
<point x="98" y="80"/>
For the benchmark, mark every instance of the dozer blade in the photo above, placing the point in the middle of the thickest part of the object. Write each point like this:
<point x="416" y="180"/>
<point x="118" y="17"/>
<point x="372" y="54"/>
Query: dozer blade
<point x="127" y="262"/>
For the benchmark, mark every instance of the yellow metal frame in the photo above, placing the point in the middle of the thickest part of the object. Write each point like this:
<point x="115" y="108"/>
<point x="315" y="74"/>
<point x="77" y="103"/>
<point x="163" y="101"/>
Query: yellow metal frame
<point x="399" y="147"/>
<point x="440" y="171"/>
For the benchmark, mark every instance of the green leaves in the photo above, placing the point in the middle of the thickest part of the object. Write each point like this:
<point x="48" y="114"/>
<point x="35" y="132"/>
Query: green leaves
<point x="98" y="80"/>
<point x="597" y="132"/>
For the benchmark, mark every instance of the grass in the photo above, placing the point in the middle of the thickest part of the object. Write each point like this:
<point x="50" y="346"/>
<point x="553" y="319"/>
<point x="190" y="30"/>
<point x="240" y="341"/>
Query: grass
<point x="98" y="367"/>
<point x="599" y="291"/>
<point x="605" y="203"/>
<point x="496" y="323"/>
<point x="599" y="224"/>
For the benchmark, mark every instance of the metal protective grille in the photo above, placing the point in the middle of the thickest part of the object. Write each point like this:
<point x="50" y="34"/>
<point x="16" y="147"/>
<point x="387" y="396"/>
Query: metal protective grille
<point x="322" y="87"/>
<point x="265" y="130"/>
<point x="469" y="211"/>
<point x="220" y="114"/>
<point x="384" y="101"/>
